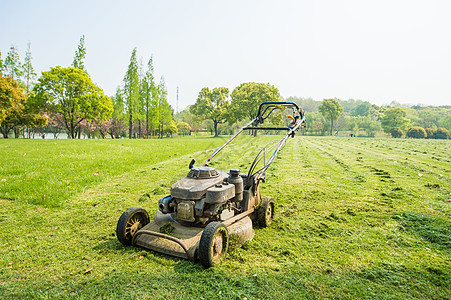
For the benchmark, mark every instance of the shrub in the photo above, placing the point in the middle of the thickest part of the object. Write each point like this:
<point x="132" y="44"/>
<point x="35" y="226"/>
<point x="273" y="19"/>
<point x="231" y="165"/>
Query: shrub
<point x="441" y="133"/>
<point x="416" y="133"/>
<point x="430" y="133"/>
<point x="396" y="132"/>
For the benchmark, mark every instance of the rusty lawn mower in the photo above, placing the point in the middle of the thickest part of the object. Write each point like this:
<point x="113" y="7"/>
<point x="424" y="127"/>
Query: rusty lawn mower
<point x="209" y="212"/>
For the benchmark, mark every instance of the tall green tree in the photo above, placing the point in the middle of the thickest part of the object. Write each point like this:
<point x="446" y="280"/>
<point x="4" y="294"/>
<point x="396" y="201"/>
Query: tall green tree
<point x="149" y="93"/>
<point x="331" y="109"/>
<point x="394" y="117"/>
<point x="71" y="93"/>
<point x="213" y="105"/>
<point x="131" y="91"/>
<point x="80" y="55"/>
<point x="247" y="97"/>
<point x="164" y="110"/>
<point x="27" y="68"/>
<point x="118" y="118"/>
<point x="12" y="64"/>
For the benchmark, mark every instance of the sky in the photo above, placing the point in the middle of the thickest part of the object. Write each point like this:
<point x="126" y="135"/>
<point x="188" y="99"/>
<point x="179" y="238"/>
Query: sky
<point x="377" y="51"/>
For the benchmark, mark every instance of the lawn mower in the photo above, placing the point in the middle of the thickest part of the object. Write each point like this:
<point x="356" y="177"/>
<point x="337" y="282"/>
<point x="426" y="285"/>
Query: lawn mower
<point x="210" y="212"/>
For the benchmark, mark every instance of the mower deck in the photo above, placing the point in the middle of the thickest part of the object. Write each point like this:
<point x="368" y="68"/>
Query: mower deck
<point x="183" y="241"/>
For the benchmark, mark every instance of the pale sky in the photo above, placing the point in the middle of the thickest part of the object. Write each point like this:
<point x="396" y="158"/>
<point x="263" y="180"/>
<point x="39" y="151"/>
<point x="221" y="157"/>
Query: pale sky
<point x="377" y="51"/>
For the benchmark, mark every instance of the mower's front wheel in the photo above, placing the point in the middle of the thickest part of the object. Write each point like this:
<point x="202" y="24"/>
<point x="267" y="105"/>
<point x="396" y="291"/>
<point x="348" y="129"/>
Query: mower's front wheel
<point x="132" y="220"/>
<point x="265" y="212"/>
<point x="213" y="245"/>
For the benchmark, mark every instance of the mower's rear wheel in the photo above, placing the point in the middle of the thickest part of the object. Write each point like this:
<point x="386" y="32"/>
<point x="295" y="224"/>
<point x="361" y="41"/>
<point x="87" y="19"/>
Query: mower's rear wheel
<point x="213" y="245"/>
<point x="265" y="213"/>
<point x="132" y="220"/>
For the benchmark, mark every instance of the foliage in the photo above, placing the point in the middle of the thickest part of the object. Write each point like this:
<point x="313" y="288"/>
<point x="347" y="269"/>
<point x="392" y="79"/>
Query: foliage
<point x="416" y="132"/>
<point x="12" y="65"/>
<point x="331" y="109"/>
<point x="164" y="111"/>
<point x="363" y="109"/>
<point x="445" y="122"/>
<point x="394" y="118"/>
<point x="369" y="125"/>
<point x="28" y="70"/>
<point x="149" y="95"/>
<point x="80" y="53"/>
<point x="183" y="128"/>
<point x="71" y="93"/>
<point x="396" y="132"/>
<point x="429" y="133"/>
<point x="441" y="133"/>
<point x="12" y="96"/>
<point x="1" y="62"/>
<point x="307" y="104"/>
<point x="131" y="90"/>
<point x="213" y="105"/>
<point x="170" y="128"/>
<point x="247" y="97"/>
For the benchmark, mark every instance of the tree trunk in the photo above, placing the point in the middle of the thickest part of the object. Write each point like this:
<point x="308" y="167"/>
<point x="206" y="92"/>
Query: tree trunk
<point x="216" y="127"/>
<point x="130" y="126"/>
<point x="331" y="125"/>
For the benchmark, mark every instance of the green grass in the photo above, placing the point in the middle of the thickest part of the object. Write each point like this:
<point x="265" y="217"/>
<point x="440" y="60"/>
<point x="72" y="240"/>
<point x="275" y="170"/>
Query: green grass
<point x="355" y="218"/>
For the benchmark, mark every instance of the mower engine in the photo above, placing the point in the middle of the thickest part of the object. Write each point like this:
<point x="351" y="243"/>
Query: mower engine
<point x="204" y="195"/>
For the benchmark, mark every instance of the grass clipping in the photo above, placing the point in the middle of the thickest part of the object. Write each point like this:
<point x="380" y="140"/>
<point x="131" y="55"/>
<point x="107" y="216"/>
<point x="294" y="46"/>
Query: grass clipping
<point x="167" y="228"/>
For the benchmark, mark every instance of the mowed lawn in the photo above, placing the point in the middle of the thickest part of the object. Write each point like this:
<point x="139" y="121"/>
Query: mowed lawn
<point x="355" y="218"/>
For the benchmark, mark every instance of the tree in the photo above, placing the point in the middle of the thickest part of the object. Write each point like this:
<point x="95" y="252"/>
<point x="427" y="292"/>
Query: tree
<point x="369" y="126"/>
<point x="118" y="118"/>
<point x="247" y="97"/>
<point x="429" y="133"/>
<point x="164" y="110"/>
<point x="394" y="118"/>
<point x="441" y="133"/>
<point x="80" y="54"/>
<point x="183" y="128"/>
<point x="396" y="132"/>
<point x="11" y="96"/>
<point x="445" y="122"/>
<point x="416" y="132"/>
<point x="28" y="70"/>
<point x="15" y="109"/>
<point x="213" y="105"/>
<point x="131" y="90"/>
<point x="149" y="93"/>
<point x="363" y="109"/>
<point x="12" y="64"/>
<point x="72" y="93"/>
<point x="331" y="109"/>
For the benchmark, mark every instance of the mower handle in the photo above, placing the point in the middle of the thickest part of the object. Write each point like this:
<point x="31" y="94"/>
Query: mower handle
<point x="299" y="120"/>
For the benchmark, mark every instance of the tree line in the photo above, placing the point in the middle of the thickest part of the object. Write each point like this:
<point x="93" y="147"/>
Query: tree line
<point x="64" y="99"/>
<point x="361" y="118"/>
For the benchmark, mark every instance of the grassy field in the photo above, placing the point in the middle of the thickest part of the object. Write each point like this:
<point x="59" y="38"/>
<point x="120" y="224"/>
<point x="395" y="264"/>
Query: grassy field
<point x="355" y="218"/>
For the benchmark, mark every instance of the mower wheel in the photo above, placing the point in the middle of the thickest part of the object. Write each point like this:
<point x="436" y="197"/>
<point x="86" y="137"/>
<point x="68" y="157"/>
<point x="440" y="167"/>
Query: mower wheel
<point x="213" y="245"/>
<point x="132" y="220"/>
<point x="265" y="212"/>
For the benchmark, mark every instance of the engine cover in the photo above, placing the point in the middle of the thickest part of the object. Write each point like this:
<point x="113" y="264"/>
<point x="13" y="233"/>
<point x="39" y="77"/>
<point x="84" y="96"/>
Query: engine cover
<point x="195" y="185"/>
